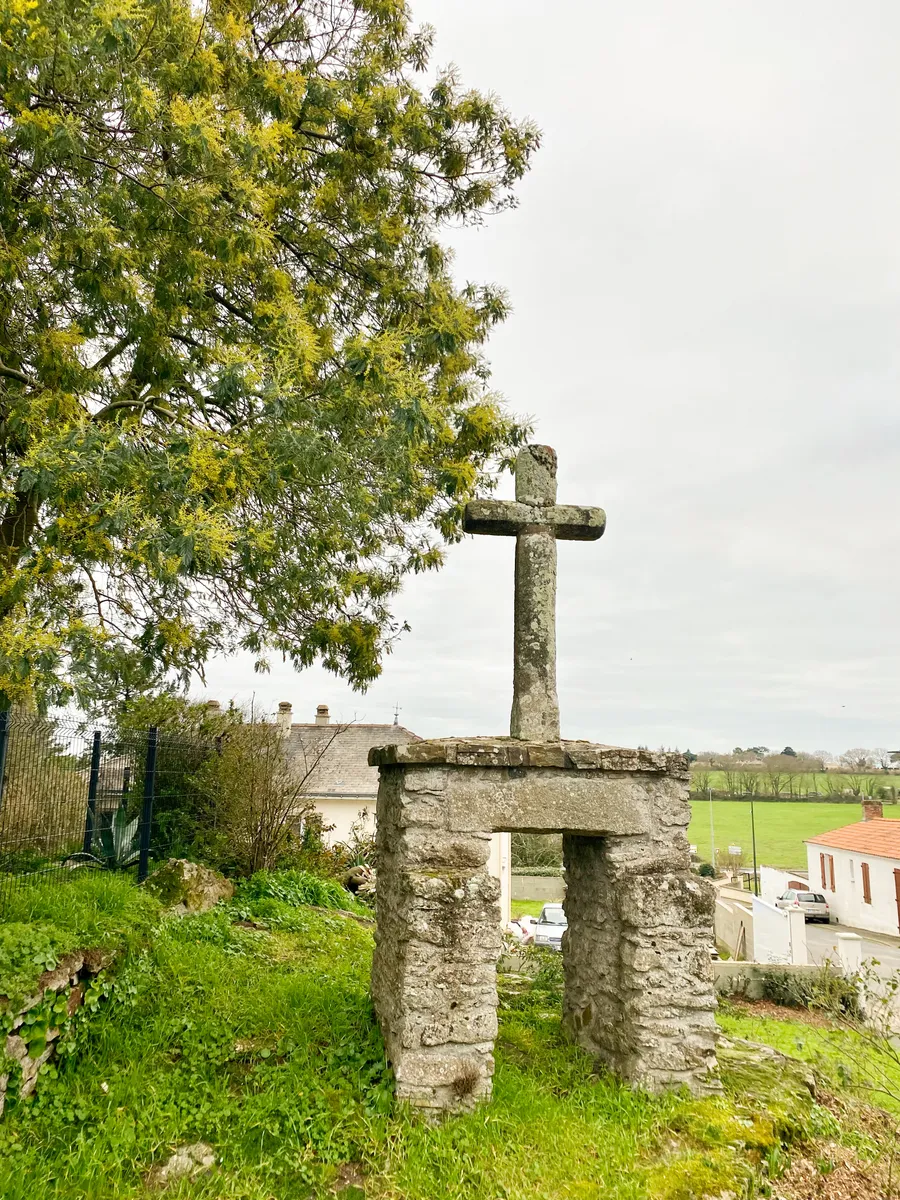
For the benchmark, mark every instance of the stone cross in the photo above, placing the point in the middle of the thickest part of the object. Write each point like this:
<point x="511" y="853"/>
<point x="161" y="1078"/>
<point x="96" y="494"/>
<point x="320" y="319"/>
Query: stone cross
<point x="536" y="521"/>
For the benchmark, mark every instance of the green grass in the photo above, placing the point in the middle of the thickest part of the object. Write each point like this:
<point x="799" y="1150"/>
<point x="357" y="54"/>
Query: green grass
<point x="41" y="920"/>
<point x="780" y="828"/>
<point x="525" y="908"/>
<point x="849" y="1060"/>
<point x="262" y="1042"/>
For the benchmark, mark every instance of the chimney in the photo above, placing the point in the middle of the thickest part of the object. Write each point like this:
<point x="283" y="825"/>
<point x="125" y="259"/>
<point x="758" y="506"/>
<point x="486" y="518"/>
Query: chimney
<point x="283" y="720"/>
<point x="213" y="707"/>
<point x="322" y="717"/>
<point x="872" y="810"/>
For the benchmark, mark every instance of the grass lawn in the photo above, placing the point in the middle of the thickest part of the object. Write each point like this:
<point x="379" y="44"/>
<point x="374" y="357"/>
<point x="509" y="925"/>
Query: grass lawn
<point x="781" y="827"/>
<point x="251" y="1028"/>
<point x="525" y="908"/>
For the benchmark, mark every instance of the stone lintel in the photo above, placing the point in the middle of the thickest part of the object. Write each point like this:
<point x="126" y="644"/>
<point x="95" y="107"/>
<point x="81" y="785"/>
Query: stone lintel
<point x="513" y="752"/>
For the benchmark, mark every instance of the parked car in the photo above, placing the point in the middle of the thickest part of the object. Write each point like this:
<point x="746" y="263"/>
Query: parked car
<point x="550" y="927"/>
<point x="814" y="904"/>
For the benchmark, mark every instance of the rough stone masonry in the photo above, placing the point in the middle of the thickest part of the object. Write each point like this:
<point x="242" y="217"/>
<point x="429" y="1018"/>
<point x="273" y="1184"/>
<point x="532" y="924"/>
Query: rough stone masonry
<point x="638" y="979"/>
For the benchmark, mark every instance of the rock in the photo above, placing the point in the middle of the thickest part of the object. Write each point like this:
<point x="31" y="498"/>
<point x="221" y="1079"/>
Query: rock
<point x="360" y="880"/>
<point x="186" y="887"/>
<point x="186" y="1163"/>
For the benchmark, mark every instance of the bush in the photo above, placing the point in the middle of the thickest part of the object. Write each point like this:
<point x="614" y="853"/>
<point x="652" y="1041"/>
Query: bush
<point x="825" y="990"/>
<point x="536" y="850"/>
<point x="707" y="870"/>
<point x="294" y="887"/>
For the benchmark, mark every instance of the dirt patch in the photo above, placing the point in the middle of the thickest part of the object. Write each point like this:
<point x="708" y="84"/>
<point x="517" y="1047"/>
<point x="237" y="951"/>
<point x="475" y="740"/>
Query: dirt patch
<point x="837" y="1173"/>
<point x="350" y="1182"/>
<point x="781" y="1012"/>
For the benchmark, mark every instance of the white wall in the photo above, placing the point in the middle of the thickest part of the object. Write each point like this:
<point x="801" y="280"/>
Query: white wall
<point x="779" y="935"/>
<point x="774" y="882"/>
<point x="500" y="866"/>
<point x="343" y="814"/>
<point x="734" y="928"/>
<point x="846" y="901"/>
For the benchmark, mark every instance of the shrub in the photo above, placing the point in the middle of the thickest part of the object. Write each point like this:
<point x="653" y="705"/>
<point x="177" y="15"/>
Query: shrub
<point x="826" y="990"/>
<point x="707" y="870"/>
<point x="536" y="850"/>
<point x="253" y="804"/>
<point x="293" y="887"/>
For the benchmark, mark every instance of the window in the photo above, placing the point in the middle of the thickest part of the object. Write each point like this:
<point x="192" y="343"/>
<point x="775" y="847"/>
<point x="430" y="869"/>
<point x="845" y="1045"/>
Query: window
<point x="810" y="898"/>
<point x="822" y="865"/>
<point x="866" y="882"/>
<point x="852" y="876"/>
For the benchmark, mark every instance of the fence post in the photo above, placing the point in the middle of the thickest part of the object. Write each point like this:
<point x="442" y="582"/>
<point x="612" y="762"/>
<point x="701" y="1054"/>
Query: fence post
<point x="147" y="806"/>
<point x="4" y="742"/>
<point x="93" y="781"/>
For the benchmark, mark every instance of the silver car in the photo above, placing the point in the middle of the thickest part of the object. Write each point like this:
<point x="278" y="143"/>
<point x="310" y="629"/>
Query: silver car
<point x="551" y="925"/>
<point x="814" y="905"/>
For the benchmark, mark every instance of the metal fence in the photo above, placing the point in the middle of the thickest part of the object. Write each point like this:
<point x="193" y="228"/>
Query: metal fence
<point x="75" y="798"/>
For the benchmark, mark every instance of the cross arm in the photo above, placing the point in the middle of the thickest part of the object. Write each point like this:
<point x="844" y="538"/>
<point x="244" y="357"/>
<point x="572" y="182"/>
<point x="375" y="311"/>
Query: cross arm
<point x="506" y="518"/>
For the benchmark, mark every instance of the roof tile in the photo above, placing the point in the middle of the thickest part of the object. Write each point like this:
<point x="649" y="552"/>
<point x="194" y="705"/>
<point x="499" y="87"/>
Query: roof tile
<point x="879" y="837"/>
<point x="336" y="756"/>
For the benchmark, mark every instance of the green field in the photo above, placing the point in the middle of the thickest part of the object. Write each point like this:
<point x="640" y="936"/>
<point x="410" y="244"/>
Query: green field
<point x="780" y="827"/>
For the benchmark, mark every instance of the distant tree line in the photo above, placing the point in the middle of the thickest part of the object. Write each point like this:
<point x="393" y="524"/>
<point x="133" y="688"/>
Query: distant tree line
<point x="757" y="771"/>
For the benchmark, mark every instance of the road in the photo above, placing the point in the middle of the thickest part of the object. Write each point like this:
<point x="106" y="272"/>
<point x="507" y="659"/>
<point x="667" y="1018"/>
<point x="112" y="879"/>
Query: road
<point x="822" y="944"/>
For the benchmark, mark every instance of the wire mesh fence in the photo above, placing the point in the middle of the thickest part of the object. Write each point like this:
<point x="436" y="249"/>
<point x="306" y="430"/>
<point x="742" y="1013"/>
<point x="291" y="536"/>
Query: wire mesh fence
<point x="78" y="798"/>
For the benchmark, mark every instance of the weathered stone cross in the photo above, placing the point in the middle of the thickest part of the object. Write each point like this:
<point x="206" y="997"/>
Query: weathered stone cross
<point x="536" y="521"/>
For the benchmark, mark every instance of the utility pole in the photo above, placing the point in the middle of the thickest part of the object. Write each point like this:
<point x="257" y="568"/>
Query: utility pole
<point x="753" y="838"/>
<point x="712" y="830"/>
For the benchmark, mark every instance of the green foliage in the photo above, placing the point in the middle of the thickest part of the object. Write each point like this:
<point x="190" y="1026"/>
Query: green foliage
<point x="826" y="990"/>
<point x="25" y="953"/>
<point x="119" y="840"/>
<point x="261" y="1040"/>
<point x="48" y="918"/>
<point x="707" y="870"/>
<point x="242" y="396"/>
<point x="536" y="850"/>
<point x="293" y="887"/>
<point x="187" y="738"/>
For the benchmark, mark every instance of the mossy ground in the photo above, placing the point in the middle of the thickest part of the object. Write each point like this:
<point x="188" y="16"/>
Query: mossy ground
<point x="250" y="1028"/>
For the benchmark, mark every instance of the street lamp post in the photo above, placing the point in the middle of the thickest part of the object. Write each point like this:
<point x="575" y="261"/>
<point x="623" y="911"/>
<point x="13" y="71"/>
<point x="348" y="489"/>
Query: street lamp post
<point x="753" y="838"/>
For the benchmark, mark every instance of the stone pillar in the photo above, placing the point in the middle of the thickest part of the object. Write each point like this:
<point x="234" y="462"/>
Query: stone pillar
<point x="639" y="992"/>
<point x="434" y="978"/>
<point x="638" y="974"/>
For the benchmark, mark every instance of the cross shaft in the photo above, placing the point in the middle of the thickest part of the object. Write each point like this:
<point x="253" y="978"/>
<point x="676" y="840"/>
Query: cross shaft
<point x="536" y="521"/>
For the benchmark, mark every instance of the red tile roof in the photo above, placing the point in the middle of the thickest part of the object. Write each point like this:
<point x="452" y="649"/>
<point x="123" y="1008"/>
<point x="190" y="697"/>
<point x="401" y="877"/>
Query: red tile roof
<point x="879" y="837"/>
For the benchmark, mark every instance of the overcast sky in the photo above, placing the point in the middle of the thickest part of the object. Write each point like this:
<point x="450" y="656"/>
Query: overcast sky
<point x="704" y="277"/>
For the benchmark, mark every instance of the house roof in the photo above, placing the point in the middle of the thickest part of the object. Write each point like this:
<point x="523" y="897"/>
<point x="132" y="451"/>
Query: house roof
<point x="879" y="837"/>
<point x="336" y="756"/>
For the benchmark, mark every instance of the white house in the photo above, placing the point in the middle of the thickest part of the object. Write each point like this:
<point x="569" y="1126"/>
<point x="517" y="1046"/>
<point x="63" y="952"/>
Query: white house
<point x="333" y="761"/>
<point x="858" y="869"/>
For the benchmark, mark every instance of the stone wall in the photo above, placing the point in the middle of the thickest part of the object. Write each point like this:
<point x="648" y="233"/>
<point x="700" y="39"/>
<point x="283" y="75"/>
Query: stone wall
<point x="538" y="887"/>
<point x="30" y="1033"/>
<point x="638" y="980"/>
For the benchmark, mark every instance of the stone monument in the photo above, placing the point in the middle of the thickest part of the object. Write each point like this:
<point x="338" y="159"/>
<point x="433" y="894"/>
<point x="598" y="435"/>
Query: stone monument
<point x="638" y="980"/>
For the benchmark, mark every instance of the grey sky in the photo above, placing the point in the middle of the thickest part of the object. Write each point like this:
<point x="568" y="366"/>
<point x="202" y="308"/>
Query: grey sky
<point x="705" y="278"/>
